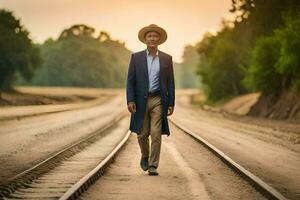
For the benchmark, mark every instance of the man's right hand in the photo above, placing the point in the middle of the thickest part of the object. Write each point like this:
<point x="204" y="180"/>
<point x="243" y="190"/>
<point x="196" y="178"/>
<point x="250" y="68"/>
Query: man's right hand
<point x="131" y="107"/>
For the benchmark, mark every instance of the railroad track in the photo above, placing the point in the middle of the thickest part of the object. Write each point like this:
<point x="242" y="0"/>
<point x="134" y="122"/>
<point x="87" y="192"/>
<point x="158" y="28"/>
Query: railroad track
<point x="69" y="173"/>
<point x="57" y="176"/>
<point x="262" y="187"/>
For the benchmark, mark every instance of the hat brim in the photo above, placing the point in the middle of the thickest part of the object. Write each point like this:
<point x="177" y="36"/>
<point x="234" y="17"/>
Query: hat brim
<point x="159" y="30"/>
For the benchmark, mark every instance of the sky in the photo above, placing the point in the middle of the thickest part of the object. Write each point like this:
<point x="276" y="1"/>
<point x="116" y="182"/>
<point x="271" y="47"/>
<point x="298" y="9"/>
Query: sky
<point x="185" y="21"/>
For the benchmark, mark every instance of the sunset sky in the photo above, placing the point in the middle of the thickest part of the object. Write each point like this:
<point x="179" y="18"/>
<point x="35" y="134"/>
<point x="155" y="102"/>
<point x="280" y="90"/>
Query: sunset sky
<point x="185" y="20"/>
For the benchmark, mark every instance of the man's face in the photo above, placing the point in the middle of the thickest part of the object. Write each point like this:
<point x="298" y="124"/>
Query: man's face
<point x="152" y="38"/>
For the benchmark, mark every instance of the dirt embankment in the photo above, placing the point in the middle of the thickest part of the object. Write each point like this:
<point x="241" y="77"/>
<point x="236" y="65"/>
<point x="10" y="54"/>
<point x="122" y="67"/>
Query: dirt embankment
<point x="34" y="96"/>
<point x="285" y="105"/>
<point x="241" y="105"/>
<point x="22" y="99"/>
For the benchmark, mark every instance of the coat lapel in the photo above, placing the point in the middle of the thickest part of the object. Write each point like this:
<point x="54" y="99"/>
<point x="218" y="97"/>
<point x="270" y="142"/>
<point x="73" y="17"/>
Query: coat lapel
<point x="161" y="60"/>
<point x="145" y="64"/>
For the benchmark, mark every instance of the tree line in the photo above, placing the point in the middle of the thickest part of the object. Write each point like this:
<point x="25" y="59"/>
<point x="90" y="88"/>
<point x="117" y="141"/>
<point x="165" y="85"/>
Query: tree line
<point x="78" y="57"/>
<point x="257" y="52"/>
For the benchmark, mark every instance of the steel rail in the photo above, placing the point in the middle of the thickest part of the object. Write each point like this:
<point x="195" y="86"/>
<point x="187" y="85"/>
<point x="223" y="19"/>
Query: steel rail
<point x="83" y="184"/>
<point x="22" y="179"/>
<point x="256" y="182"/>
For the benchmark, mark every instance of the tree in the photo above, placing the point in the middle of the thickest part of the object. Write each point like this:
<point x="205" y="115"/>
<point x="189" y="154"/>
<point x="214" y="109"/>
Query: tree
<point x="103" y="36"/>
<point x="228" y="61"/>
<point x="218" y="66"/>
<point x="78" y="30"/>
<point x="262" y="75"/>
<point x="188" y="68"/>
<point x="17" y="53"/>
<point x="78" y="58"/>
<point x="275" y="61"/>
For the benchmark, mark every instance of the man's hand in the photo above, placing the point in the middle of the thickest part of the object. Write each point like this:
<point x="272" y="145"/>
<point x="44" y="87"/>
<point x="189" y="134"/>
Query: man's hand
<point x="131" y="107"/>
<point x="170" y="110"/>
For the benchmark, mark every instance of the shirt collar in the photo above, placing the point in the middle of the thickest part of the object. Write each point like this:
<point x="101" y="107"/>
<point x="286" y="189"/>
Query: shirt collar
<point x="148" y="53"/>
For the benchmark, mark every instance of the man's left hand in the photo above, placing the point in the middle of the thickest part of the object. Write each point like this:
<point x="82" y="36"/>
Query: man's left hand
<point x="170" y="110"/>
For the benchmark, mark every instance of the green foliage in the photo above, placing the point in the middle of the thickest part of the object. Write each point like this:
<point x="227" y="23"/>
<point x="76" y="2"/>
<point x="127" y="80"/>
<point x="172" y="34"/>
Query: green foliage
<point x="262" y="74"/>
<point x="289" y="61"/>
<point x="261" y="17"/>
<point x="250" y="56"/>
<point x="17" y="53"/>
<point x="186" y="70"/>
<point x="77" y="58"/>
<point x="275" y="61"/>
<point x="218" y="67"/>
<point x="78" y="30"/>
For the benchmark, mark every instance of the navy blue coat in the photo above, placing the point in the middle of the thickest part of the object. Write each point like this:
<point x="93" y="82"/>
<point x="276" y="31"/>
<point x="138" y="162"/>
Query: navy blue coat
<point x="138" y="87"/>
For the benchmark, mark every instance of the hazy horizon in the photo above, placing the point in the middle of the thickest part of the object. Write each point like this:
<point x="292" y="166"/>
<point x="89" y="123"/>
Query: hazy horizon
<point x="184" y="21"/>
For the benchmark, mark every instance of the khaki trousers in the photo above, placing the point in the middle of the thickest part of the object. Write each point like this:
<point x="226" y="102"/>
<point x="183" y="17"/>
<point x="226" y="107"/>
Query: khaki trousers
<point x="151" y="127"/>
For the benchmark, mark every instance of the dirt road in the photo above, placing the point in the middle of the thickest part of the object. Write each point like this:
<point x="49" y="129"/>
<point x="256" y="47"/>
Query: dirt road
<point x="270" y="151"/>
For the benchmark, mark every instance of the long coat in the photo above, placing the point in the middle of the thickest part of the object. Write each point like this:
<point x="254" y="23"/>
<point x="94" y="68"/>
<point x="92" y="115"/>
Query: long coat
<point x="138" y="87"/>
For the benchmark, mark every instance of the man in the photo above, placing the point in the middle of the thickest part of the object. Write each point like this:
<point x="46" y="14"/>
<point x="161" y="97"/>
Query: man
<point x="150" y="95"/>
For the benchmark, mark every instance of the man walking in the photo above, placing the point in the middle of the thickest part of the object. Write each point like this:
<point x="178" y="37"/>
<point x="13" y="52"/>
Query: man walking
<point x="150" y="95"/>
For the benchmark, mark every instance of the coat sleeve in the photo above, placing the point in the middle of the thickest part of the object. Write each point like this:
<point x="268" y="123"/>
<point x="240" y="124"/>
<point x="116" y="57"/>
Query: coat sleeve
<point x="171" y="85"/>
<point x="131" y="81"/>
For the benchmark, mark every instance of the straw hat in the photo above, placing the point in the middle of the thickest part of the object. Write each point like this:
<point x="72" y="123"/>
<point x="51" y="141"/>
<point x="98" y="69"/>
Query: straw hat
<point x="153" y="27"/>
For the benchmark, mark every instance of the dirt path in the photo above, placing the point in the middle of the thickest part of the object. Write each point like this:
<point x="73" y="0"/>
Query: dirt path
<point x="183" y="175"/>
<point x="271" y="153"/>
<point x="34" y="95"/>
<point x="19" y="112"/>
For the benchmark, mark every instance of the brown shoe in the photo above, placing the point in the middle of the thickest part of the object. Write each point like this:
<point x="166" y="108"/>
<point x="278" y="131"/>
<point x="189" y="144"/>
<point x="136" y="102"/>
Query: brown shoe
<point x="152" y="171"/>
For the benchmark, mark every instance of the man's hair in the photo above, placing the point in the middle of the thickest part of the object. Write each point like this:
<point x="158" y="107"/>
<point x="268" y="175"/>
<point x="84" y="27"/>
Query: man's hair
<point x="151" y="31"/>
